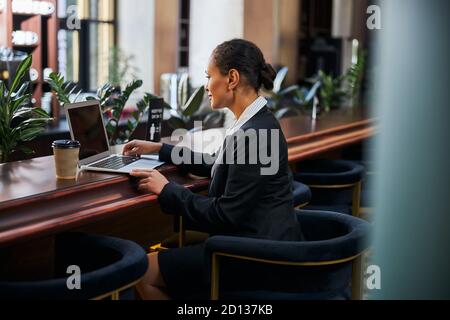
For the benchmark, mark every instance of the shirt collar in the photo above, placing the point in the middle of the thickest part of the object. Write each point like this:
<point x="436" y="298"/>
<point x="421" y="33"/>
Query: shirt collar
<point x="251" y="111"/>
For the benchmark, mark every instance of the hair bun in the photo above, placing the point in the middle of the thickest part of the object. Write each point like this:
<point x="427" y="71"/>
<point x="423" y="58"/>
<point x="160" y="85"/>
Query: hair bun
<point x="245" y="57"/>
<point x="268" y="75"/>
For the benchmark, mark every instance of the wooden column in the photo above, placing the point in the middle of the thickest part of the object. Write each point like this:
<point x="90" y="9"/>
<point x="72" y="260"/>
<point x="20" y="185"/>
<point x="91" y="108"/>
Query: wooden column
<point x="34" y="23"/>
<point x="259" y="26"/>
<point x="166" y="38"/>
<point x="288" y="37"/>
<point x="52" y="54"/>
<point x="273" y="25"/>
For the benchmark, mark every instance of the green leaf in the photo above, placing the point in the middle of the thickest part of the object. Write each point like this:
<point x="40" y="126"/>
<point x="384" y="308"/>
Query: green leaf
<point x="74" y="88"/>
<point x="22" y="90"/>
<point x="287" y="112"/>
<point x="194" y="102"/>
<point x="105" y="92"/>
<point x="15" y="105"/>
<point x="354" y="76"/>
<point x="31" y="133"/>
<point x="40" y="112"/>
<point x="20" y="72"/>
<point x="77" y="96"/>
<point x="150" y="96"/>
<point x="22" y="112"/>
<point x="279" y="79"/>
<point x="62" y="89"/>
<point x="130" y="125"/>
<point x="111" y="127"/>
<point x="331" y="94"/>
<point x="290" y="90"/>
<point x="3" y="133"/>
<point x="116" y="113"/>
<point x="183" y="89"/>
<point x="313" y="92"/>
<point x="19" y="102"/>
<point x="213" y="120"/>
<point x="3" y="105"/>
<point x="166" y="106"/>
<point x="2" y="89"/>
<point x="34" y="120"/>
<point x="136" y="115"/>
<point x="142" y="105"/>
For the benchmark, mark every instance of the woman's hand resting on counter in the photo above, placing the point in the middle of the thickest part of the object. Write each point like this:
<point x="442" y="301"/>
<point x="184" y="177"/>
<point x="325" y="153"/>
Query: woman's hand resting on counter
<point x="139" y="147"/>
<point x="151" y="181"/>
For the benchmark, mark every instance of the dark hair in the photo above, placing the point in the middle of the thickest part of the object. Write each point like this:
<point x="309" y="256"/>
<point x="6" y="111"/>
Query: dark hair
<point x="248" y="60"/>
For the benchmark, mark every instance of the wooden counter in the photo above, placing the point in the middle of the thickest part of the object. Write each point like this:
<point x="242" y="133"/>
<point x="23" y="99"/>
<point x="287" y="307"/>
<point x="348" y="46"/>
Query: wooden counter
<point x="307" y="138"/>
<point x="34" y="204"/>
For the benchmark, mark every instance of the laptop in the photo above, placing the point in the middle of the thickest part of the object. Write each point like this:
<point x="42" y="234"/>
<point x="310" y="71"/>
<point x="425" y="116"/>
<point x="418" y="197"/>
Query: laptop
<point x="87" y="126"/>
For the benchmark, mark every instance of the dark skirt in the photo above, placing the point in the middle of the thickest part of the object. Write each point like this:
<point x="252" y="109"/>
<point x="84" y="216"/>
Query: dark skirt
<point x="184" y="271"/>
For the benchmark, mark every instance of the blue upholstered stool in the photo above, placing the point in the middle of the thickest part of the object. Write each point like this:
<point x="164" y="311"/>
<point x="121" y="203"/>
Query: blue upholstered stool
<point x="321" y="266"/>
<point x="302" y="194"/>
<point x="110" y="268"/>
<point x="335" y="184"/>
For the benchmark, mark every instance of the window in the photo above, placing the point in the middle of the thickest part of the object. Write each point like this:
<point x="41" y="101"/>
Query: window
<point x="84" y="54"/>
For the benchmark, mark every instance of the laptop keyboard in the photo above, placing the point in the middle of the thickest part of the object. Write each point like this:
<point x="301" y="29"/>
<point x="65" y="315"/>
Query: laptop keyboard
<point x="114" y="163"/>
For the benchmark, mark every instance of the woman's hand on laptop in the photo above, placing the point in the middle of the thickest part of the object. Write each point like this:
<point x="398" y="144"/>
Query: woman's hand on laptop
<point x="151" y="181"/>
<point x="139" y="147"/>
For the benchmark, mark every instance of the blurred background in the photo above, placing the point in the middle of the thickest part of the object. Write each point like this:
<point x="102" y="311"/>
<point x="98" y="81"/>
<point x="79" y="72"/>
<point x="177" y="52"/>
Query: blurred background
<point x="389" y="59"/>
<point x="167" y="45"/>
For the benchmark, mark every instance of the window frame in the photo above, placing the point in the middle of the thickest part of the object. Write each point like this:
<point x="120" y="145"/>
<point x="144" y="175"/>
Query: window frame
<point x="84" y="62"/>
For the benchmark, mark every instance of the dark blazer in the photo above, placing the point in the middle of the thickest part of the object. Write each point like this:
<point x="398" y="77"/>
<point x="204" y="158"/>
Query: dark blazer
<point x="241" y="201"/>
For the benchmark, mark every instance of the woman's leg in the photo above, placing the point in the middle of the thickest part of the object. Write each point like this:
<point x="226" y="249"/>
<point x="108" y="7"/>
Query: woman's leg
<point x="152" y="286"/>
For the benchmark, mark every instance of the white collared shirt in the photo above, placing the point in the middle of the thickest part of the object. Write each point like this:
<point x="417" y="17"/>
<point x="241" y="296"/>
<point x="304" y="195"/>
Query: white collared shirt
<point x="251" y="111"/>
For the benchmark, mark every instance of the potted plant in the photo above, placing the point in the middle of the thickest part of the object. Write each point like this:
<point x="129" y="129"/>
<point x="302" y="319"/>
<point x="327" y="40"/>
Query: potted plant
<point x="182" y="116"/>
<point x="19" y="121"/>
<point x="119" y="124"/>
<point x="354" y="78"/>
<point x="334" y="91"/>
<point x="331" y="93"/>
<point x="291" y="101"/>
<point x="113" y="104"/>
<point x="285" y="102"/>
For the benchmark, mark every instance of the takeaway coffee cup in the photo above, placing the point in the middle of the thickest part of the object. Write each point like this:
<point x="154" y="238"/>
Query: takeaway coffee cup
<point x="66" y="153"/>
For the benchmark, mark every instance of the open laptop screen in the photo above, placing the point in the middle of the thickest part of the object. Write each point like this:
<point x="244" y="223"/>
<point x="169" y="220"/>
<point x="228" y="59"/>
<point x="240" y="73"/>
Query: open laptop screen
<point x="87" y="127"/>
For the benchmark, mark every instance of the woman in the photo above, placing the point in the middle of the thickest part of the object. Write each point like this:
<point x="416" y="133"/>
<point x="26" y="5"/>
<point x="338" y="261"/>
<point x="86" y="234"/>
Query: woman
<point x="242" y="201"/>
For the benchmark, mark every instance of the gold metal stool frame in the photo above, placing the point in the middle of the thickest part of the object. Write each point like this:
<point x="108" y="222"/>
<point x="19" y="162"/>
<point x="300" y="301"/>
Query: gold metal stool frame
<point x="356" y="198"/>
